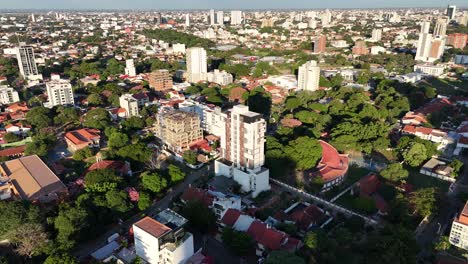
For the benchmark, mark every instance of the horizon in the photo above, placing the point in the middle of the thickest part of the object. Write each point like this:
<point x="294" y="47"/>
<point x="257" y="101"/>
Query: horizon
<point x="139" y="5"/>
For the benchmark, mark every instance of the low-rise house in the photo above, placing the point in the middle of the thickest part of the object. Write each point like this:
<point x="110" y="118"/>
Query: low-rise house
<point x="13" y="152"/>
<point x="18" y="128"/>
<point x="459" y="233"/>
<point x="368" y="187"/>
<point x="122" y="168"/>
<point x="83" y="138"/>
<point x="431" y="134"/>
<point x="332" y="167"/>
<point x="303" y="215"/>
<point x="438" y="169"/>
<point x="219" y="202"/>
<point x="20" y="106"/>
<point x="31" y="179"/>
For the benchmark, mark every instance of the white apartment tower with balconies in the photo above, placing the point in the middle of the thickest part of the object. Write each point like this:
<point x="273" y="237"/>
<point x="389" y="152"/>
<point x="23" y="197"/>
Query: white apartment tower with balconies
<point x="197" y="67"/>
<point x="243" y="150"/>
<point x="8" y="95"/>
<point x="130" y="104"/>
<point x="27" y="63"/>
<point x="309" y="76"/>
<point x="236" y="17"/>
<point x="59" y="92"/>
<point x="130" y="69"/>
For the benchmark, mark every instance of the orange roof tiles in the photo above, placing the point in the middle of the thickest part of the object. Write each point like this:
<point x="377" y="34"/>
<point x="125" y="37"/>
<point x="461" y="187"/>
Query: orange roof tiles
<point x="152" y="227"/>
<point x="82" y="136"/>
<point x="332" y="165"/>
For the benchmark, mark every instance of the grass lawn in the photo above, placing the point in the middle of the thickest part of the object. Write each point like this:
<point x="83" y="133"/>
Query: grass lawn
<point x="420" y="181"/>
<point x="447" y="87"/>
<point x="18" y="143"/>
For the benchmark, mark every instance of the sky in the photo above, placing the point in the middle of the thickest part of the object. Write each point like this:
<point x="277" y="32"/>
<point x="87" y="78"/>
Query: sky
<point x="221" y="4"/>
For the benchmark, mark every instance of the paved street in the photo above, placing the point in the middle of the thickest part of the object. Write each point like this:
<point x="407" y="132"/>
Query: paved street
<point x="86" y="249"/>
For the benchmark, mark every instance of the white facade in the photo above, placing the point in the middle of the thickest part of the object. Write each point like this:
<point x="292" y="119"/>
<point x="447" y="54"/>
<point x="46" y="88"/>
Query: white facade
<point x="459" y="233"/>
<point x="220" y="17"/>
<point x="424" y="46"/>
<point x="163" y="240"/>
<point x="242" y="150"/>
<point x="27" y="63"/>
<point x="8" y="95"/>
<point x="130" y="104"/>
<point x="59" y="92"/>
<point x="451" y="11"/>
<point x="236" y="17"/>
<point x="130" y="69"/>
<point x="309" y="76"/>
<point x="376" y="34"/>
<point x="220" y="77"/>
<point x="375" y="50"/>
<point x="440" y="28"/>
<point x="429" y="69"/>
<point x="178" y="48"/>
<point x="212" y="17"/>
<point x="197" y="67"/>
<point x="187" y="20"/>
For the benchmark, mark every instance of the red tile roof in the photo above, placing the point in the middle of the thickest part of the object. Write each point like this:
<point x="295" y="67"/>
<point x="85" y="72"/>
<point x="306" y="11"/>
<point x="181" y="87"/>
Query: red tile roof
<point x="332" y="165"/>
<point x="311" y="215"/>
<point x="115" y="165"/>
<point x="369" y="184"/>
<point x="230" y="217"/>
<point x="83" y="136"/>
<point x="152" y="227"/>
<point x="15" y="151"/>
<point x="270" y="238"/>
<point x="196" y="194"/>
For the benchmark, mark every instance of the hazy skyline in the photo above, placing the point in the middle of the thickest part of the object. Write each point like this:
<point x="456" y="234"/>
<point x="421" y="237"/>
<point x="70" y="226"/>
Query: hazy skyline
<point x="220" y="4"/>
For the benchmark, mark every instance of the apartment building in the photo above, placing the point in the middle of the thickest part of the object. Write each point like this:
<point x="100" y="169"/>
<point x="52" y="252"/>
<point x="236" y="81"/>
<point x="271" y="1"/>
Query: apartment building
<point x="242" y="150"/>
<point x="197" y="67"/>
<point x="130" y="69"/>
<point x="8" y="95"/>
<point x="178" y="129"/>
<point x="130" y="104"/>
<point x="160" y="80"/>
<point x="309" y="76"/>
<point x="319" y="44"/>
<point x="220" y="77"/>
<point x="360" y="48"/>
<point x="59" y="92"/>
<point x="163" y="239"/>
<point x="27" y="63"/>
<point x="459" y="233"/>
<point x="457" y="40"/>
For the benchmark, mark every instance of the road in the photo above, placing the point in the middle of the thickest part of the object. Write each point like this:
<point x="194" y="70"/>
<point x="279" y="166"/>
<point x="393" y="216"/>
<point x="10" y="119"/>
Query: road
<point x="86" y="249"/>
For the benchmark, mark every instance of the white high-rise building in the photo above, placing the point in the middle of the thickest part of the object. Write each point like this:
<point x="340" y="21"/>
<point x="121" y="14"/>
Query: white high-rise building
<point x="236" y="17"/>
<point x="326" y="17"/>
<point x="178" y="48"/>
<point x="27" y="63"/>
<point x="440" y="28"/>
<point x="163" y="239"/>
<point x="220" y="17"/>
<point x="130" y="104"/>
<point x="459" y="233"/>
<point x="8" y="95"/>
<point x="376" y="34"/>
<point x="197" y="67"/>
<point x="33" y="18"/>
<point x="309" y="76"/>
<point x="130" y="69"/>
<point x="424" y="42"/>
<point x="187" y="20"/>
<point x="243" y="150"/>
<point x="451" y="11"/>
<point x="212" y="17"/>
<point x="59" y="92"/>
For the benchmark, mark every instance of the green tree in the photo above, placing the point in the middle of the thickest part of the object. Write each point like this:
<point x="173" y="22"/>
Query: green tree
<point x="117" y="140"/>
<point x="153" y="182"/>
<point x="443" y="244"/>
<point x="101" y="180"/>
<point x="39" y="117"/>
<point x="138" y="152"/>
<point x="118" y="201"/>
<point x="304" y="151"/>
<point x="11" y="137"/>
<point x="240" y="242"/>
<point x="61" y="258"/>
<point x="394" y="172"/>
<point x="190" y="157"/>
<point x="82" y="154"/>
<point x="292" y="103"/>
<point x="200" y="217"/>
<point x="457" y="166"/>
<point x="134" y="122"/>
<point x="311" y="240"/>
<point x="424" y="201"/>
<point x="94" y="99"/>
<point x="97" y="118"/>
<point x="29" y="239"/>
<point x="144" y="201"/>
<point x="65" y="115"/>
<point x="41" y="144"/>
<point x="70" y="223"/>
<point x="364" y="204"/>
<point x="283" y="257"/>
<point x="415" y="155"/>
<point x="175" y="173"/>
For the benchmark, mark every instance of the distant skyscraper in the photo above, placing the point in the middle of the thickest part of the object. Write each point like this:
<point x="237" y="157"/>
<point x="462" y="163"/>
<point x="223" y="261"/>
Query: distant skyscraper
<point x="376" y="34"/>
<point x="236" y="17"/>
<point x="130" y="69"/>
<point x="212" y="17"/>
<point x="326" y="17"/>
<point x="33" y="18"/>
<point x="196" y="64"/>
<point x="425" y="26"/>
<point x="424" y="46"/>
<point x="440" y="28"/>
<point x="187" y="20"/>
<point x="159" y="19"/>
<point x="309" y="76"/>
<point x="437" y="49"/>
<point x="319" y="44"/>
<point x="220" y="17"/>
<point x="26" y="62"/>
<point x="451" y="11"/>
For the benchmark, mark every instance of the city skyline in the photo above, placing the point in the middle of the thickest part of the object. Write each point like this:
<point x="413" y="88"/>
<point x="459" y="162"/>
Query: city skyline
<point x="223" y="4"/>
